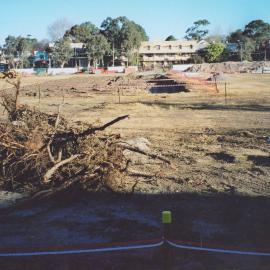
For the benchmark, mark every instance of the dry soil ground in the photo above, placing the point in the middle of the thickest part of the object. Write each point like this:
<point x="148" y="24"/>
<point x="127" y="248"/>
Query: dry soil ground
<point x="218" y="186"/>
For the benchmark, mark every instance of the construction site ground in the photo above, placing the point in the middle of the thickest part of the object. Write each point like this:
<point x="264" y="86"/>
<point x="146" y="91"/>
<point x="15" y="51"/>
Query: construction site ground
<point x="218" y="186"/>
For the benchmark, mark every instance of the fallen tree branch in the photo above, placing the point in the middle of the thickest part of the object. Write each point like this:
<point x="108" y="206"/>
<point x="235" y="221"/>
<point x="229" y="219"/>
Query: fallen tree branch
<point x="52" y="170"/>
<point x="140" y="174"/>
<point x="64" y="137"/>
<point x="138" y="150"/>
<point x="91" y="131"/>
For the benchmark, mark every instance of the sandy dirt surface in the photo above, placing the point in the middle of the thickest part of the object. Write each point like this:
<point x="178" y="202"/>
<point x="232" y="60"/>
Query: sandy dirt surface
<point x="212" y="145"/>
<point x="232" y="67"/>
<point x="218" y="186"/>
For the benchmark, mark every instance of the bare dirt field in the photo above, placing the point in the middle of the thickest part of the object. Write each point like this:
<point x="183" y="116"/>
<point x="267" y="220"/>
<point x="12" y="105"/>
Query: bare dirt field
<point x="217" y="187"/>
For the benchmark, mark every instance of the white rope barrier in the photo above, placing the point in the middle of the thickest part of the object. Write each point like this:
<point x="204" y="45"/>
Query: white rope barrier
<point x="81" y="251"/>
<point x="217" y="250"/>
<point x="132" y="247"/>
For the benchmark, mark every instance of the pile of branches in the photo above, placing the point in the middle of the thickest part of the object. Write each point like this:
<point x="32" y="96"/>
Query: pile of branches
<point x="41" y="154"/>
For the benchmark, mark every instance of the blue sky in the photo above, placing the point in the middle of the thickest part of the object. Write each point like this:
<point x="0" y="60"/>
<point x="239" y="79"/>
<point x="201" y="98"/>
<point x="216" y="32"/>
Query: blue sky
<point x="160" y="18"/>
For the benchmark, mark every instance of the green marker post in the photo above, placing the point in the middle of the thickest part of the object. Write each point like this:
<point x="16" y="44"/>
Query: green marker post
<point x="166" y="217"/>
<point x="166" y="221"/>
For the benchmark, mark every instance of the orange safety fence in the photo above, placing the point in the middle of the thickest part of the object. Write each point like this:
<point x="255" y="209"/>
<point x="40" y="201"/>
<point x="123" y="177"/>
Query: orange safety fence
<point x="182" y="77"/>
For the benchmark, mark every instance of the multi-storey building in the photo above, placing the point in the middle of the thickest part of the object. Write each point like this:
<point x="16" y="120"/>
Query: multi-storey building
<point x="165" y="53"/>
<point x="150" y="54"/>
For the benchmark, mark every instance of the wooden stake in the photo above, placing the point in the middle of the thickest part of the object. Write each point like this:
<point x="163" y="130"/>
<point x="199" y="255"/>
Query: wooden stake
<point x="215" y="78"/>
<point x="225" y="93"/>
<point x="39" y="96"/>
<point x="119" y="94"/>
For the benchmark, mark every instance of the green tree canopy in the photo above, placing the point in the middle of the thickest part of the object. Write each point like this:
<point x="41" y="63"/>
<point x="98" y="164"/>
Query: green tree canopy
<point x="236" y="36"/>
<point x="25" y="44"/>
<point x="257" y="29"/>
<point x="252" y="39"/>
<point x="10" y="46"/>
<point x="20" y="48"/>
<point x="245" y="45"/>
<point x="198" y="30"/>
<point x="170" y="38"/>
<point x="62" y="52"/>
<point x="123" y="35"/>
<point x="111" y="28"/>
<point x="131" y="35"/>
<point x="96" y="48"/>
<point x="16" y="46"/>
<point x="214" y="52"/>
<point x="81" y="32"/>
<point x="249" y="46"/>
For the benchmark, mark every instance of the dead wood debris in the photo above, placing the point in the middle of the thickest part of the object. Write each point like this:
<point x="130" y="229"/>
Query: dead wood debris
<point x="33" y="157"/>
<point x="44" y="154"/>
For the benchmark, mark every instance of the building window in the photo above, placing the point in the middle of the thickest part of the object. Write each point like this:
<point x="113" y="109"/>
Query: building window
<point x="191" y="46"/>
<point x="170" y="47"/>
<point x="180" y="47"/>
<point x="158" y="47"/>
<point x="148" y="48"/>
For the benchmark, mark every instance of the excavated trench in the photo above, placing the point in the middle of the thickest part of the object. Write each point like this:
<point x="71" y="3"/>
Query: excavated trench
<point x="166" y="85"/>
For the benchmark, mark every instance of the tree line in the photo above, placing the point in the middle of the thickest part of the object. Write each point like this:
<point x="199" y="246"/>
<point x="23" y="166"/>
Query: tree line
<point x="120" y="37"/>
<point x="252" y="43"/>
<point x="115" y="38"/>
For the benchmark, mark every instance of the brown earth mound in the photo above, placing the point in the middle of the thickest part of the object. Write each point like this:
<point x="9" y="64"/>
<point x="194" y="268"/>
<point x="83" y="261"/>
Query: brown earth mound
<point x="230" y="67"/>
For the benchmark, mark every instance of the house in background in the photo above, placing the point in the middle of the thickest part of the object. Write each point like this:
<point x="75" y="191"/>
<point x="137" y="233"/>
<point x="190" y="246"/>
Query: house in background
<point x="79" y="58"/>
<point x="39" y="59"/>
<point x="168" y="53"/>
<point x="150" y="54"/>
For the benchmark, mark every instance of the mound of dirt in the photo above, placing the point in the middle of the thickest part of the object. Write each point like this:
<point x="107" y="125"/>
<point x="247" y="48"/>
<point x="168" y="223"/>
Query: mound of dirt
<point x="230" y="67"/>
